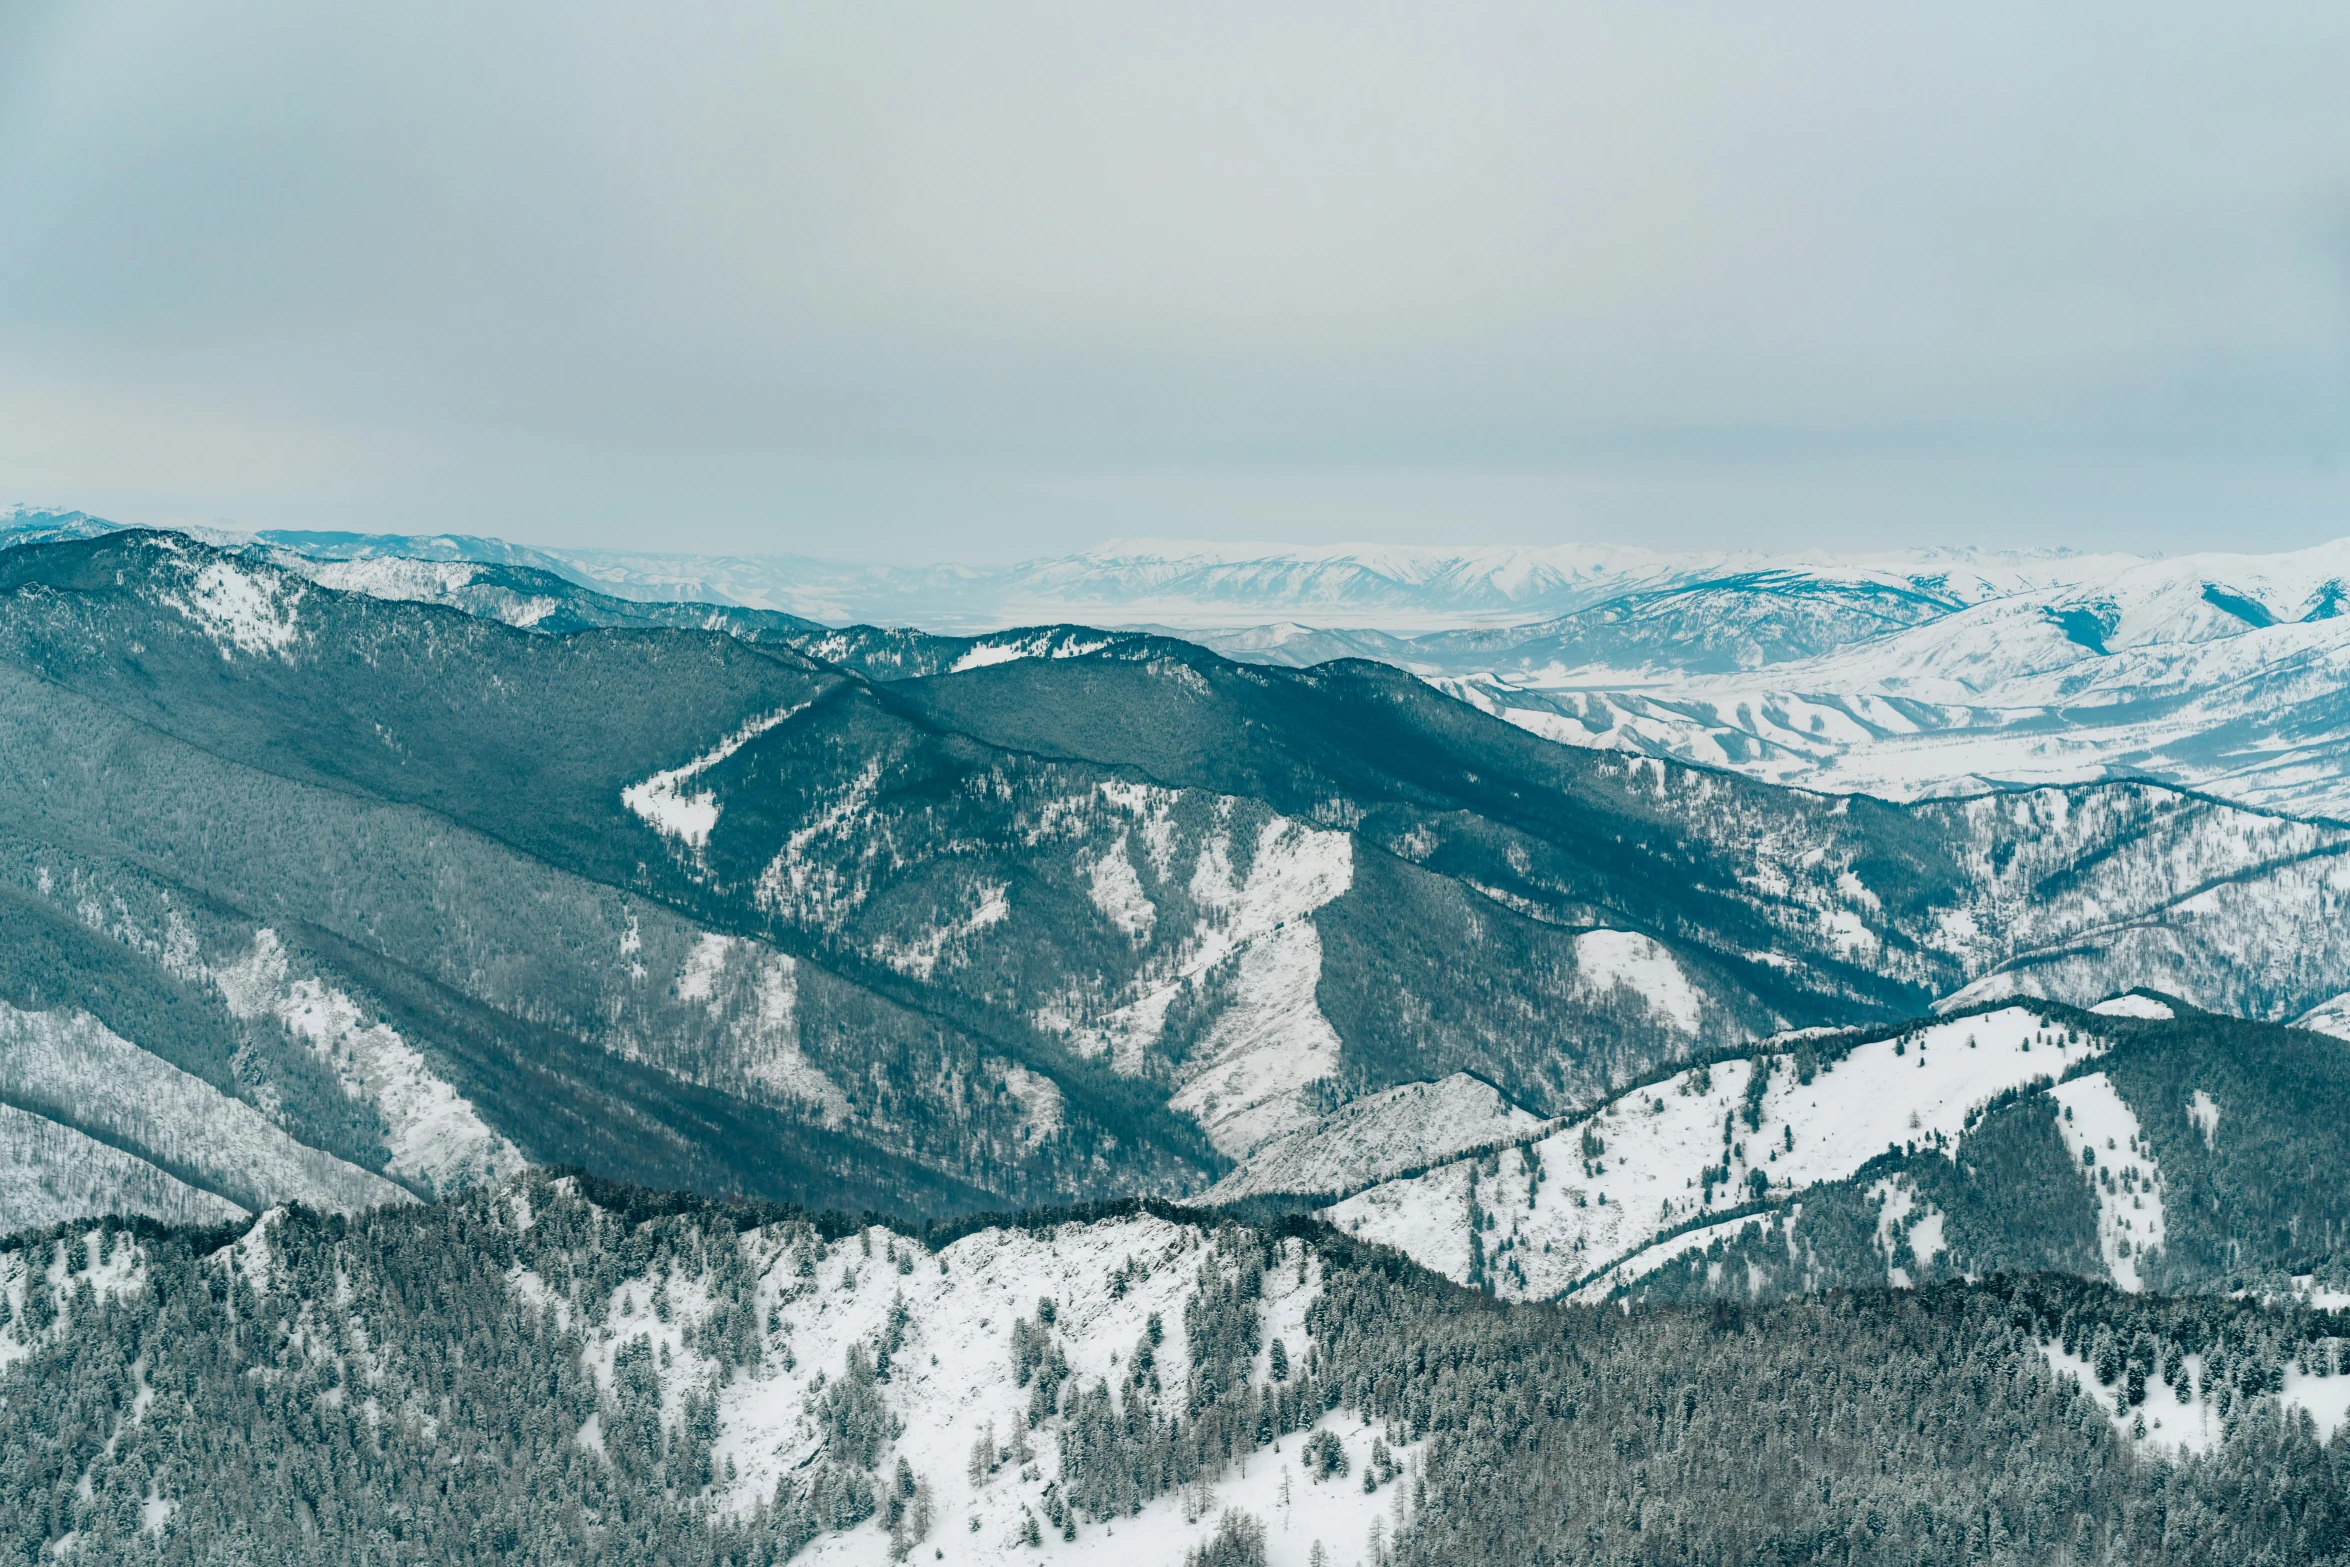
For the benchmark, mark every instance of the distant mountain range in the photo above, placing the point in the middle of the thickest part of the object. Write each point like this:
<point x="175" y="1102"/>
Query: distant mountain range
<point x="1904" y="675"/>
<point x="1250" y="591"/>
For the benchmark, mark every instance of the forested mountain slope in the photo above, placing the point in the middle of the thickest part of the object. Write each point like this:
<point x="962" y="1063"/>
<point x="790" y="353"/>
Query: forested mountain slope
<point x="2178" y="1153"/>
<point x="438" y="896"/>
<point x="547" y="1372"/>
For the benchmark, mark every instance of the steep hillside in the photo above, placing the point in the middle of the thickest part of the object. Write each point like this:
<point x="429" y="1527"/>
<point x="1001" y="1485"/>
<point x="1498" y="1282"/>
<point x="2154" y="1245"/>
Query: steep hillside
<point x="552" y="1371"/>
<point x="420" y="999"/>
<point x="438" y="895"/>
<point x="2152" y="1152"/>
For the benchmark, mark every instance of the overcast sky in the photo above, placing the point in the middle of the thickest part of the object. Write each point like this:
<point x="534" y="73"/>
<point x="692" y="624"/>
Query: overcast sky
<point x="905" y="281"/>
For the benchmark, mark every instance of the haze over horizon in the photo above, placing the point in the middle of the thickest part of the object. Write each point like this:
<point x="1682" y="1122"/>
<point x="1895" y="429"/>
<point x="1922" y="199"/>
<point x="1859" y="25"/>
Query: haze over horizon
<point x="951" y="285"/>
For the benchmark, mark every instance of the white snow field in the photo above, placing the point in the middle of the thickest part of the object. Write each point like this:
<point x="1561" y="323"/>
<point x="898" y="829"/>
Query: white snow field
<point x="2165" y="1426"/>
<point x="2133" y="1006"/>
<point x="1558" y="1217"/>
<point x="101" y="1081"/>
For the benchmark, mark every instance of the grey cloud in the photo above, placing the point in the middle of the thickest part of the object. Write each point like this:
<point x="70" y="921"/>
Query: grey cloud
<point x="993" y="280"/>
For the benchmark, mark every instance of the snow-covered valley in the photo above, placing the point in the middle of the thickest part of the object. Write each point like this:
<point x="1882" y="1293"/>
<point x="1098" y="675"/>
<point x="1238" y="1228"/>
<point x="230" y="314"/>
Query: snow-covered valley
<point x="2224" y="673"/>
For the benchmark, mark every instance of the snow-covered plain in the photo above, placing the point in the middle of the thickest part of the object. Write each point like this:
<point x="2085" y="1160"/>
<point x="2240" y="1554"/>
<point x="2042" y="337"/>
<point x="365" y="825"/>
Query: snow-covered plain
<point x="1560" y="1217"/>
<point x="1205" y="586"/>
<point x="2219" y="672"/>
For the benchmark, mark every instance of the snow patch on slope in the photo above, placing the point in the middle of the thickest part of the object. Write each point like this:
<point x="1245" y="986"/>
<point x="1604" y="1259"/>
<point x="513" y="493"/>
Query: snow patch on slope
<point x="2203" y="1115"/>
<point x="2328" y="1017"/>
<point x="50" y="1173"/>
<point x="664" y="802"/>
<point x="96" y="1078"/>
<point x="2133" y="1006"/>
<point x="1270" y="1014"/>
<point x="1651" y="1258"/>
<point x="1900" y="1219"/>
<point x="1379" y="1137"/>
<point x="920" y="956"/>
<point x="754" y="991"/>
<point x="1039" y="1098"/>
<point x="2164" y="1426"/>
<point x="2102" y="1134"/>
<point x="1269" y="1042"/>
<point x="434" y="1134"/>
<point x="242" y="611"/>
<point x="1625" y="959"/>
<point x="1116" y="890"/>
<point x="803" y="885"/>
<point x="1154" y="813"/>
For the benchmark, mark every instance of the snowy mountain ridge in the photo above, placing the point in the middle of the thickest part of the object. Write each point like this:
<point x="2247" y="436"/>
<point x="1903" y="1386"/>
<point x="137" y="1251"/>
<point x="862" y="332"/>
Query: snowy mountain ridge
<point x="1606" y="1198"/>
<point x="2101" y="1142"/>
<point x="1903" y="675"/>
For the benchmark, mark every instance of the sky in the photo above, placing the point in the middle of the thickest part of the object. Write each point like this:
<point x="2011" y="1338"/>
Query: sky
<point x="914" y="281"/>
